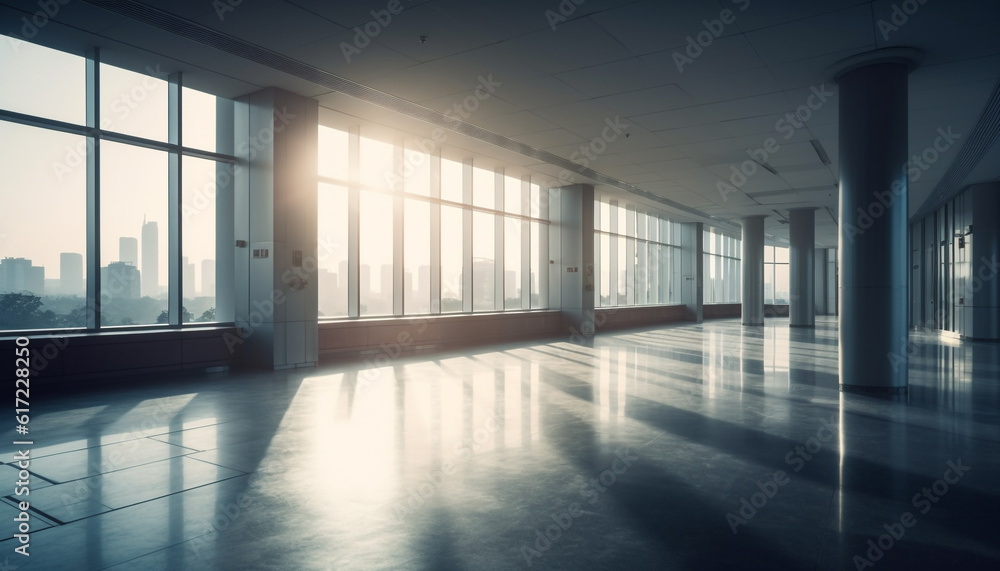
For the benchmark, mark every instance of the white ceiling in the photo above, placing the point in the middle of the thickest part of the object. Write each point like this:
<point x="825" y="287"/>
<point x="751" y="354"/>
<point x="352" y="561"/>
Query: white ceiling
<point x="609" y="58"/>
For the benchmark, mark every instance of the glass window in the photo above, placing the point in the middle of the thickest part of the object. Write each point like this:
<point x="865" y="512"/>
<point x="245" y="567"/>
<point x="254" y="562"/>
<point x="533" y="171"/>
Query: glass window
<point x="377" y="164"/>
<point x="42" y="258"/>
<point x="605" y="270"/>
<point x="512" y="262"/>
<point x="483" y="188"/>
<point x="780" y="255"/>
<point x="417" y="172"/>
<point x="539" y="264"/>
<point x="512" y="200"/>
<point x="134" y="103"/>
<point x="536" y="201"/>
<point x="622" y="269"/>
<point x="417" y="257"/>
<point x="333" y="153"/>
<point x="452" y="180"/>
<point x="198" y="216"/>
<point x="483" y="254"/>
<point x="452" y="238"/>
<point x="198" y="120"/>
<point x="134" y="236"/>
<point x="375" y="245"/>
<point x="49" y="83"/>
<point x="331" y="270"/>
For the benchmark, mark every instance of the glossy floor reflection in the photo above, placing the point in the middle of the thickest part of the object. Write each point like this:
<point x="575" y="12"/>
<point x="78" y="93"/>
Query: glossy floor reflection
<point x="645" y="450"/>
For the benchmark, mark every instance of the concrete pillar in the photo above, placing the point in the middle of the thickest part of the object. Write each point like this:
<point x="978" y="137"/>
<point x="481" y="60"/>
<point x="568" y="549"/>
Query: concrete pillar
<point x="819" y="281"/>
<point x="571" y="213"/>
<point x="275" y="203"/>
<point x="873" y="220"/>
<point x="801" y="267"/>
<point x="692" y="270"/>
<point x="753" y="270"/>
<point x="984" y="281"/>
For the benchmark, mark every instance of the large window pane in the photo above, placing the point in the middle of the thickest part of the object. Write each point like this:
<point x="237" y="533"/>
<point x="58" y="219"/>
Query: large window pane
<point x="417" y="172"/>
<point x="42" y="81"/>
<point x="539" y="264"/>
<point x="451" y="180"/>
<point x="198" y="216"/>
<point x="653" y="272"/>
<point x="512" y="199"/>
<point x="483" y="188"/>
<point x="376" y="163"/>
<point x="781" y="283"/>
<point x="333" y="149"/>
<point x="641" y="276"/>
<point x="376" y="238"/>
<point x="512" y="263"/>
<point x="134" y="103"/>
<point x="198" y="118"/>
<point x="417" y="255"/>
<point x="332" y="250"/>
<point x="134" y="235"/>
<point x="605" y="270"/>
<point x="536" y="200"/>
<point x="622" y="278"/>
<point x="43" y="226"/>
<point x="451" y="258"/>
<point x="483" y="253"/>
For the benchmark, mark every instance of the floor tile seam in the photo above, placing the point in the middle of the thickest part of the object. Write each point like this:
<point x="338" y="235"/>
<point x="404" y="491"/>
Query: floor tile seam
<point x="185" y="455"/>
<point x="143" y="437"/>
<point x="242" y="472"/>
<point x="193" y="450"/>
<point x="115" y="509"/>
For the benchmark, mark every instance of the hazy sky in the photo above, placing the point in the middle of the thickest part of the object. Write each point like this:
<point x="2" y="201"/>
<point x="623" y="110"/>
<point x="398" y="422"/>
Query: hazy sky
<point x="43" y="187"/>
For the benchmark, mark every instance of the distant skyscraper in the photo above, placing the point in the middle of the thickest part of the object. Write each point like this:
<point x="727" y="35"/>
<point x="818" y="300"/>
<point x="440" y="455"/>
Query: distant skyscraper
<point x="188" y="291"/>
<point x="208" y="278"/>
<point x="120" y="280"/>
<point x="128" y="251"/>
<point x="150" y="259"/>
<point x="17" y="275"/>
<point x="71" y="274"/>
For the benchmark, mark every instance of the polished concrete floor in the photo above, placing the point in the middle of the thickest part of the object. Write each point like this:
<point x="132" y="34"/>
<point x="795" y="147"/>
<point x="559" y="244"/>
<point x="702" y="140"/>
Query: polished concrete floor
<point x="708" y="446"/>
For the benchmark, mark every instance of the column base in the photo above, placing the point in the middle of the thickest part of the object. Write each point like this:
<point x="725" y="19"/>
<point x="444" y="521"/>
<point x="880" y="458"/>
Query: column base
<point x="761" y="324"/>
<point x="813" y="326"/>
<point x="870" y="390"/>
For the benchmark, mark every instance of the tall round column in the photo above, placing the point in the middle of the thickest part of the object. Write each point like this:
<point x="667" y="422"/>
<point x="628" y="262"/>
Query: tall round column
<point x="753" y="270"/>
<point x="802" y="267"/>
<point x="873" y="221"/>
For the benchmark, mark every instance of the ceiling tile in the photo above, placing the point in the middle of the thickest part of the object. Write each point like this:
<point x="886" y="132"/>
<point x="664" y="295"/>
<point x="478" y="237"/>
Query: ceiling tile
<point x="612" y="77"/>
<point x="846" y="29"/>
<point x="575" y="44"/>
